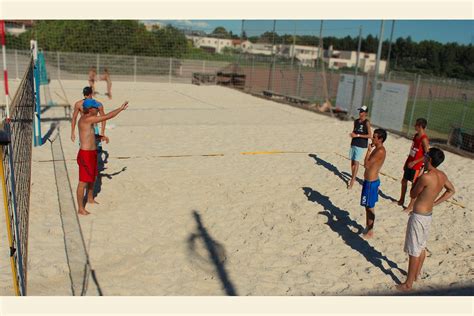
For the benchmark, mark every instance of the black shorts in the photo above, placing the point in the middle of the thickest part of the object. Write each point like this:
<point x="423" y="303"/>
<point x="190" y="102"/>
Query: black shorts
<point x="410" y="174"/>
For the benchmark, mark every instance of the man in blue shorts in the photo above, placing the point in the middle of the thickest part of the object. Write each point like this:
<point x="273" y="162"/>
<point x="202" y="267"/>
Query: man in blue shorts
<point x="361" y="133"/>
<point x="374" y="159"/>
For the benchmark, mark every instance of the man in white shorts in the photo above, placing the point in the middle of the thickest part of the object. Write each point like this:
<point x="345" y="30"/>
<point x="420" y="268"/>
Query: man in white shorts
<point x="425" y="191"/>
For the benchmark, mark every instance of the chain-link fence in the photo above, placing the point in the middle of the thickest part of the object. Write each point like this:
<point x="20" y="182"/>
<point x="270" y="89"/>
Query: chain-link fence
<point x="287" y="58"/>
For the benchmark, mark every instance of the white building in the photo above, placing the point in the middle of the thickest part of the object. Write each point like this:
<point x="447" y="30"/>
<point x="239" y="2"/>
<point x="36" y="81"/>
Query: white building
<point x="261" y="49"/>
<point x="306" y="55"/>
<point x="339" y="59"/>
<point x="210" y="43"/>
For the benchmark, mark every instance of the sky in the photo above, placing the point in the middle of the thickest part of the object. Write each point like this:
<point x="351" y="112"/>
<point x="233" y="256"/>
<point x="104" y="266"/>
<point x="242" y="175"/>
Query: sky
<point x="443" y="31"/>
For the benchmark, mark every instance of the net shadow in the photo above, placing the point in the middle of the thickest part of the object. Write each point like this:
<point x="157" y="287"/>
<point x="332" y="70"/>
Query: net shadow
<point x="216" y="253"/>
<point x="76" y="253"/>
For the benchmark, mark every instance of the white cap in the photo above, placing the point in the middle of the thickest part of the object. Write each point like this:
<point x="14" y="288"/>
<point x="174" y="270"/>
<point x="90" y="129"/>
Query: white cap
<point x="363" y="109"/>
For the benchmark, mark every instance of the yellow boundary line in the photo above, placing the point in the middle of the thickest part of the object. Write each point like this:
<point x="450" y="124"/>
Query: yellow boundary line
<point x="8" y="221"/>
<point x="274" y="152"/>
<point x="397" y="179"/>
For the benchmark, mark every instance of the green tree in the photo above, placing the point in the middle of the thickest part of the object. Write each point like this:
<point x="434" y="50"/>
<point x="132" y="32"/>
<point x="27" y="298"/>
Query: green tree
<point x="221" y="32"/>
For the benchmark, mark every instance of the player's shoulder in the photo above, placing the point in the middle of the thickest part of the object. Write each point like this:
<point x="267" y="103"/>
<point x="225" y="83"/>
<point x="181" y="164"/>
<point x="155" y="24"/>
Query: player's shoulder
<point x="427" y="176"/>
<point x="79" y="103"/>
<point x="442" y="174"/>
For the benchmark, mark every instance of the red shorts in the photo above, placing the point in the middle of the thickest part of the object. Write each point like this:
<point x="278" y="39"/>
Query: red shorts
<point x="87" y="161"/>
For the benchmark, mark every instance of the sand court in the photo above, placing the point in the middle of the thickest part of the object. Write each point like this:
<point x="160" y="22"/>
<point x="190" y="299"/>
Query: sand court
<point x="184" y="212"/>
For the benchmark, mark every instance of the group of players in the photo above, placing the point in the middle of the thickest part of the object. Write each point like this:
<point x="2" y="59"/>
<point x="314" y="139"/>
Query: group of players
<point x="420" y="168"/>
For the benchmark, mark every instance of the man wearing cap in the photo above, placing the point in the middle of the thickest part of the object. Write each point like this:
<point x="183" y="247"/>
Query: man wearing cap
<point x="360" y="135"/>
<point x="87" y="155"/>
<point x="79" y="108"/>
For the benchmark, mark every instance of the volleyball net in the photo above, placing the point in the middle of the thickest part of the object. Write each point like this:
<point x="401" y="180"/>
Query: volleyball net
<point x="16" y="155"/>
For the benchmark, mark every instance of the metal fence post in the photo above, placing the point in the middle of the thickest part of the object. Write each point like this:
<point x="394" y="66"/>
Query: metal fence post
<point x="366" y="88"/>
<point x="428" y="115"/>
<point x="16" y="64"/>
<point x="171" y="67"/>
<point x="298" y="78"/>
<point x="329" y="84"/>
<point x="464" y="96"/>
<point x="59" y="65"/>
<point x="251" y="73"/>
<point x="134" y="68"/>
<point x="414" y="104"/>
<point x="203" y="66"/>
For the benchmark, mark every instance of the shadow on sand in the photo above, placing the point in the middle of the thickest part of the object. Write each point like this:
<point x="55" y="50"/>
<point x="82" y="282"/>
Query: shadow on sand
<point x="340" y="222"/>
<point x="102" y="159"/>
<point x="215" y="251"/>
<point x="344" y="176"/>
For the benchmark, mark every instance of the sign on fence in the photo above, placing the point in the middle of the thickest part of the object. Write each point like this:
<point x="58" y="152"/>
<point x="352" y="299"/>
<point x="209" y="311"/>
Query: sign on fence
<point x="344" y="93"/>
<point x="390" y="102"/>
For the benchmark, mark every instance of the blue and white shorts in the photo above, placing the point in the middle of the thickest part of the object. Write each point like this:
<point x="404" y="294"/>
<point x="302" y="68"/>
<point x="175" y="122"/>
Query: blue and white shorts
<point x="370" y="193"/>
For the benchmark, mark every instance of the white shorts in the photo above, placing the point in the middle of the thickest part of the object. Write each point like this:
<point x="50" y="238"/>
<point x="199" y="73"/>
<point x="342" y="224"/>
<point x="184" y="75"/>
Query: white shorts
<point x="418" y="228"/>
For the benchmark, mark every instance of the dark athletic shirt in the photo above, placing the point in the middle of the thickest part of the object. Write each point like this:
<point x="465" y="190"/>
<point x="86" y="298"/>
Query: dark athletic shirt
<point x="362" y="129"/>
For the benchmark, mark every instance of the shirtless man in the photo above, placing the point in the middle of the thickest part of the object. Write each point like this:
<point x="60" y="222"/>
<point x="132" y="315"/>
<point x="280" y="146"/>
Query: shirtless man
<point x="78" y="108"/>
<point x="373" y="162"/>
<point x="106" y="77"/>
<point x="92" y="79"/>
<point x="87" y="155"/>
<point x="425" y="191"/>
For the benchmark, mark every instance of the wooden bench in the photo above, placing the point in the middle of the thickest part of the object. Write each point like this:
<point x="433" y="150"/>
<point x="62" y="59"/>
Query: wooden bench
<point x="233" y="79"/>
<point x="199" y="78"/>
<point x="289" y="98"/>
<point x="295" y="99"/>
<point x="270" y="94"/>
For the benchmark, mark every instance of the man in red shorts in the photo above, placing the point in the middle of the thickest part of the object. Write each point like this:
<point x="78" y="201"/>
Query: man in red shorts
<point x="87" y="155"/>
<point x="414" y="162"/>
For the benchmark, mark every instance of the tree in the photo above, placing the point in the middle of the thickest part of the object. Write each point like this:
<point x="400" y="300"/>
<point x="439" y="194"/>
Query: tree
<point x="171" y="42"/>
<point x="220" y="32"/>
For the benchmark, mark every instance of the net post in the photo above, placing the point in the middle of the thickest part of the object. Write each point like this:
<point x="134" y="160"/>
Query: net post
<point x="5" y="72"/>
<point x="8" y="220"/>
<point x="36" y="84"/>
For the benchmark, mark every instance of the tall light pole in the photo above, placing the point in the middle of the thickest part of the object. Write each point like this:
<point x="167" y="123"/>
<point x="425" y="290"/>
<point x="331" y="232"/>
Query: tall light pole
<point x="389" y="50"/>
<point x="320" y="49"/>
<point x="377" y="63"/>
<point x="355" y="72"/>
<point x="272" y="67"/>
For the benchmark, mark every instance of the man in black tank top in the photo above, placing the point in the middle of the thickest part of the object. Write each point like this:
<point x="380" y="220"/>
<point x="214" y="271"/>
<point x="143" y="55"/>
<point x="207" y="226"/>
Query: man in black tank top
<point x="360" y="136"/>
